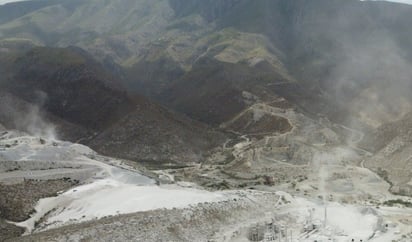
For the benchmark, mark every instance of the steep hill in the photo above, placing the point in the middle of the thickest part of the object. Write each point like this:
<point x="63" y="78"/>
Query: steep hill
<point x="156" y="136"/>
<point x="66" y="91"/>
<point x="347" y="60"/>
<point x="61" y="81"/>
<point x="392" y="143"/>
<point x="331" y="48"/>
<point x="289" y="104"/>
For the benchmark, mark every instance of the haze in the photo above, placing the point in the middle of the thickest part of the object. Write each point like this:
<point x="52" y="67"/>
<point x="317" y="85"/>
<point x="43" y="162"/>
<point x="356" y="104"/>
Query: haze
<point x="205" y="120"/>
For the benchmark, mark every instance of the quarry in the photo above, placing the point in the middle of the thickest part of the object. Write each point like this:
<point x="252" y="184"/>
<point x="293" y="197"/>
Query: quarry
<point x="306" y="183"/>
<point x="205" y="121"/>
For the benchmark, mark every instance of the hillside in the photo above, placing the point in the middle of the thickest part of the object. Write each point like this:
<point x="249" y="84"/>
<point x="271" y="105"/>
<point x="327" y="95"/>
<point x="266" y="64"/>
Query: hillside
<point x="332" y="49"/>
<point x="205" y="120"/>
<point x="67" y="93"/>
<point x="210" y="60"/>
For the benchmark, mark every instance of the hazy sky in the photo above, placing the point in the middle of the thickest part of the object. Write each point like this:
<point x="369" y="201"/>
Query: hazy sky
<point x="8" y="1"/>
<point x="400" y="1"/>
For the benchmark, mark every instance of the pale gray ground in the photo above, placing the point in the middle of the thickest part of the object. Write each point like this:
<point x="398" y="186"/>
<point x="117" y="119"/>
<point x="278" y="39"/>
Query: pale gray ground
<point x="315" y="164"/>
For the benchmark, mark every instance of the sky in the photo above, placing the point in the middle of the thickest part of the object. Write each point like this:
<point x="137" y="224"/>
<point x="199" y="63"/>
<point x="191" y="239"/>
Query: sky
<point x="401" y="1"/>
<point x="404" y="1"/>
<point x="8" y="1"/>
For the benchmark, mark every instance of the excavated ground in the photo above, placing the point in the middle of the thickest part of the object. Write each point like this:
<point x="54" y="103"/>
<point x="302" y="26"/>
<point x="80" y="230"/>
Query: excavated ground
<point x="271" y="157"/>
<point x="270" y="173"/>
<point x="200" y="222"/>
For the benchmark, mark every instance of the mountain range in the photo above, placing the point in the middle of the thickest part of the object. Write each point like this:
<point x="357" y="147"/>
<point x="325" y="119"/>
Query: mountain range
<point x="156" y="80"/>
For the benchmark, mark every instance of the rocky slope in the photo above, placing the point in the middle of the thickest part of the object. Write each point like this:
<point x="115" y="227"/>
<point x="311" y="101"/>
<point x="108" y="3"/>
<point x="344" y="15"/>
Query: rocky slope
<point x="311" y="97"/>
<point x="392" y="144"/>
<point x="60" y="80"/>
<point x="48" y="90"/>
<point x="154" y="136"/>
<point x="323" y="55"/>
<point x="211" y="60"/>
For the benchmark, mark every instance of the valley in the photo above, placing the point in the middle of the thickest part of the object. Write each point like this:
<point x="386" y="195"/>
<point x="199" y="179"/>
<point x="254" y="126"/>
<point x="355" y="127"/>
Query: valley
<point x="205" y="120"/>
<point x="301" y="184"/>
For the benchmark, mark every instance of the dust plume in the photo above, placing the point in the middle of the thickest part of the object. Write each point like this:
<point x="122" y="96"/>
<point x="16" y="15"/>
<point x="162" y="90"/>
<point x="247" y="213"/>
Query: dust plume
<point x="373" y="80"/>
<point x="21" y="115"/>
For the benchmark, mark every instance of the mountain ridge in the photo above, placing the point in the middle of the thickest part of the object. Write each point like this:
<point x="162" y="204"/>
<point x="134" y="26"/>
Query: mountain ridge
<point x="211" y="60"/>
